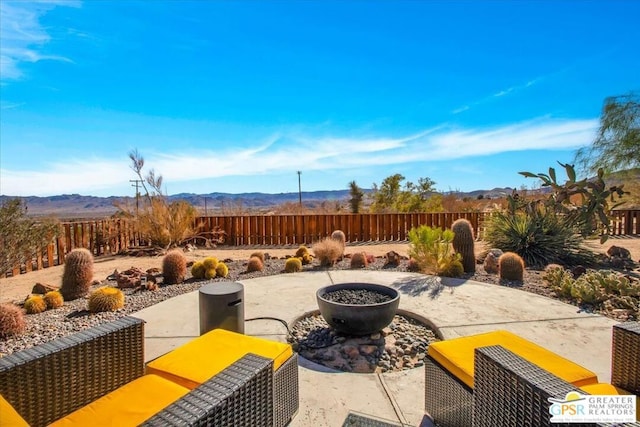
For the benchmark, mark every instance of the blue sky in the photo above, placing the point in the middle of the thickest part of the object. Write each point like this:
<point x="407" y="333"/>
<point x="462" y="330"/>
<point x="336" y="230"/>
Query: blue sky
<point x="238" y="96"/>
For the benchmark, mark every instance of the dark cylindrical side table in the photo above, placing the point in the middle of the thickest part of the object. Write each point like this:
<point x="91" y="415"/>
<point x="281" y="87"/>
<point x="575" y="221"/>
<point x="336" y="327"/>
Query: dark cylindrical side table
<point x="222" y="306"/>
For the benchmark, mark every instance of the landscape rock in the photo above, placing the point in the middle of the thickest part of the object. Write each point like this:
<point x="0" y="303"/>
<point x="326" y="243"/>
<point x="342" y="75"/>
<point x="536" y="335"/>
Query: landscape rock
<point x="392" y="259"/>
<point x="620" y="252"/>
<point x="404" y="347"/>
<point x="43" y="288"/>
<point x="491" y="263"/>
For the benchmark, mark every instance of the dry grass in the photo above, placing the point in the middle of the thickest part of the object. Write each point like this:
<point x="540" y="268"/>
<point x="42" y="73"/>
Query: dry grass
<point x="327" y="251"/>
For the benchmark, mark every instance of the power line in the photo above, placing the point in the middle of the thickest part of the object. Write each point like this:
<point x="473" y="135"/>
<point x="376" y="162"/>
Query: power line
<point x="299" y="188"/>
<point x="136" y="183"/>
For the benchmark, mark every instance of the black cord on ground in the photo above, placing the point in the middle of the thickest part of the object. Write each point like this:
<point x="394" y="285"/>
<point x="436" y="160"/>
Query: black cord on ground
<point x="286" y="325"/>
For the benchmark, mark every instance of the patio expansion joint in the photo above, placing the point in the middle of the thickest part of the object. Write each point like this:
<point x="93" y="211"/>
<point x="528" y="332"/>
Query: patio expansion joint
<point x="509" y="322"/>
<point x="392" y="400"/>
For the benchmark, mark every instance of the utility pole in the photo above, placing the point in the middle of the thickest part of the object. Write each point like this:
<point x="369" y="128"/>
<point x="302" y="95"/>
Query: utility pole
<point x="136" y="183"/>
<point x="299" y="189"/>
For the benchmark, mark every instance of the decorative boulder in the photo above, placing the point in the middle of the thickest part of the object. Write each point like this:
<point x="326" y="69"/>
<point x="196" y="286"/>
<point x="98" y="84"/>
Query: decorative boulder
<point x="43" y="288"/>
<point x="393" y="259"/>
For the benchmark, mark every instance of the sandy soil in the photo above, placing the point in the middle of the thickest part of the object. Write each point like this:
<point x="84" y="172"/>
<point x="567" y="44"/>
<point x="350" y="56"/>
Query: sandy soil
<point x="19" y="287"/>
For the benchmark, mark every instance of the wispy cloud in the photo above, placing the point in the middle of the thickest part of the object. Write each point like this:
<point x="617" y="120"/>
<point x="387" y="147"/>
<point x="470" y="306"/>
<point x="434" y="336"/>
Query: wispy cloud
<point x="290" y="151"/>
<point x="501" y="93"/>
<point x="23" y="36"/>
<point x="10" y="105"/>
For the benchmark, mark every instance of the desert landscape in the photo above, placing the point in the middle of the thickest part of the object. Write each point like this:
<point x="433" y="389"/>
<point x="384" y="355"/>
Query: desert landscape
<point x="15" y="289"/>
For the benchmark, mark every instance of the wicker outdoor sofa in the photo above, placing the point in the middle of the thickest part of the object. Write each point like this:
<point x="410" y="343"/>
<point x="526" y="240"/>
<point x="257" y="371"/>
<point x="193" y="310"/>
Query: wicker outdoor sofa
<point x="49" y="381"/>
<point x="511" y="391"/>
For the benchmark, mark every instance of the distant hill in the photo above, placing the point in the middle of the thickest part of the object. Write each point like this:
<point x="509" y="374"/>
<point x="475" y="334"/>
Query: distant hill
<point x="68" y="206"/>
<point x="79" y="206"/>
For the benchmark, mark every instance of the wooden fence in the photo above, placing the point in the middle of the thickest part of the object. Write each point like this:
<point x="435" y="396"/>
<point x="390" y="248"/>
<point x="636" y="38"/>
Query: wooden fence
<point x="101" y="237"/>
<point x="625" y="223"/>
<point x="305" y="229"/>
<point x="110" y="236"/>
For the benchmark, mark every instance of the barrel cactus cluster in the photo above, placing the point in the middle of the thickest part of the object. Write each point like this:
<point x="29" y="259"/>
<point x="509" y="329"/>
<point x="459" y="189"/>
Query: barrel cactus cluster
<point x="35" y="304"/>
<point x="209" y="268"/>
<point x="54" y="299"/>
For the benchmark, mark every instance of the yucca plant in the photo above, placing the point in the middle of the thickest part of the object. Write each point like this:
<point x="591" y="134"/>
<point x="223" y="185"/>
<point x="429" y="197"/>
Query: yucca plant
<point x="538" y="236"/>
<point x="431" y="250"/>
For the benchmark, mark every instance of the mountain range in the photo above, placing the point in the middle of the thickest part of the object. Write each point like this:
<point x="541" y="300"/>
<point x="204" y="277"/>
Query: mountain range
<point x="79" y="206"/>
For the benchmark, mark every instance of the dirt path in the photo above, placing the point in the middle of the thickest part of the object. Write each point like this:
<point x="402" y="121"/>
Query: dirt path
<point x="19" y="287"/>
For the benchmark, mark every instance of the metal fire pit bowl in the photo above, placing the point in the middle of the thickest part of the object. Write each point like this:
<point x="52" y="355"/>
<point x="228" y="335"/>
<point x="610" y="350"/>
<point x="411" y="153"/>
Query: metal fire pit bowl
<point x="358" y="319"/>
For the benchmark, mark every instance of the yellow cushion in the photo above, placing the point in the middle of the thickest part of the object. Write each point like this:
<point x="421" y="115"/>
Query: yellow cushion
<point x="456" y="355"/>
<point x="200" y="359"/>
<point x="9" y="417"/>
<point x="129" y="405"/>
<point x="611" y="390"/>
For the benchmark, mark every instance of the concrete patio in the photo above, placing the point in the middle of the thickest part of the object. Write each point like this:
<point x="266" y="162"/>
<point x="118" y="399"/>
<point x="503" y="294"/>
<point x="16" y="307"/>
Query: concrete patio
<point x="455" y="307"/>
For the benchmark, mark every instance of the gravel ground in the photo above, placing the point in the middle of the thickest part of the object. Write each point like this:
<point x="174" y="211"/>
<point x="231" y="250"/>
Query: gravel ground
<point x="73" y="316"/>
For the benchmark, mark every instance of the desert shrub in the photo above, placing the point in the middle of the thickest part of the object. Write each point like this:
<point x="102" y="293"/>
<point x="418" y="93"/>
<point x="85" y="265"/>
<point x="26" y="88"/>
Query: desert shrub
<point x="258" y="254"/>
<point x="431" y="249"/>
<point x="302" y="250"/>
<point x="35" y="304"/>
<point x="222" y="270"/>
<point x="106" y="298"/>
<point x="11" y="320"/>
<point x="464" y="243"/>
<point x="21" y="237"/>
<point x="174" y="267"/>
<point x="359" y="260"/>
<point x="54" y="299"/>
<point x="77" y="275"/>
<point x="293" y="265"/>
<point x="327" y="251"/>
<point x="165" y="224"/>
<point x="511" y="266"/>
<point x="412" y="265"/>
<point x="451" y="267"/>
<point x="210" y="263"/>
<point x="197" y="270"/>
<point x="254" y="264"/>
<point x="162" y="223"/>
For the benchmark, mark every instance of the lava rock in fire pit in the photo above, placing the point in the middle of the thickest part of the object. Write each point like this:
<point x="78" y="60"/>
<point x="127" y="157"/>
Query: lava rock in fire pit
<point x="357" y="296"/>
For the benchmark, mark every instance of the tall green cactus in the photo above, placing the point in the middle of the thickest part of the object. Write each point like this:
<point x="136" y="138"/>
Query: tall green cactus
<point x="463" y="243"/>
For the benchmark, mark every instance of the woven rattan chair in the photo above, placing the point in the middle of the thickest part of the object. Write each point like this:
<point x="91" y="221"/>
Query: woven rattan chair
<point x="510" y="391"/>
<point x="49" y="381"/>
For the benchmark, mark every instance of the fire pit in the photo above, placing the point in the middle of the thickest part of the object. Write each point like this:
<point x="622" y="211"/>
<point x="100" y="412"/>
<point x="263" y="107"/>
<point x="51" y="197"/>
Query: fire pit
<point x="357" y="308"/>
